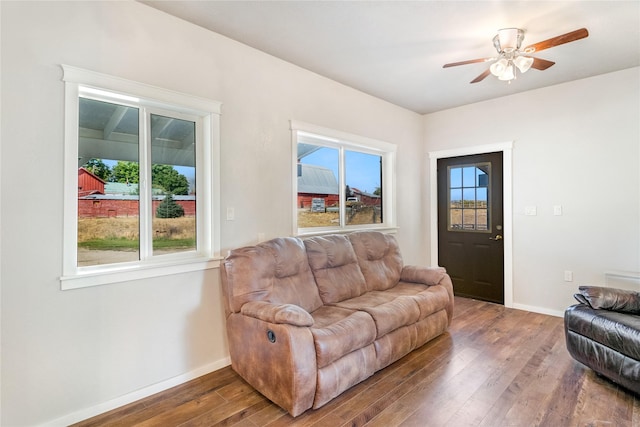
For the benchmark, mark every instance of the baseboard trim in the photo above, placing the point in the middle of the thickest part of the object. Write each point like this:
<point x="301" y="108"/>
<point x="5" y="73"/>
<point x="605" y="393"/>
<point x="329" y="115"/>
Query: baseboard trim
<point x="541" y="310"/>
<point x="137" y="395"/>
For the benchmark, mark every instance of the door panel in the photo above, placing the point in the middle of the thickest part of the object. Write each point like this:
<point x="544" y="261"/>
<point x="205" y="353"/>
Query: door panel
<point x="470" y="224"/>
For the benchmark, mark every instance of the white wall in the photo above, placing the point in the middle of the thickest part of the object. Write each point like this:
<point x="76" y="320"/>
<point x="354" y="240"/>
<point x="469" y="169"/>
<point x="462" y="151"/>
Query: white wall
<point x="576" y="145"/>
<point x="68" y="354"/>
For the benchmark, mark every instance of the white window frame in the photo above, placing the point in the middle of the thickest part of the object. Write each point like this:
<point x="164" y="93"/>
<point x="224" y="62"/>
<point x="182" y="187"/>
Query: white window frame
<point x="79" y="82"/>
<point x="346" y="141"/>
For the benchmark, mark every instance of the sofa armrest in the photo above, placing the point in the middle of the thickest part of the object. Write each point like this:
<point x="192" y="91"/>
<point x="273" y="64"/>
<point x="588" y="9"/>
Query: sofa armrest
<point x="430" y="276"/>
<point x="289" y="314"/>
<point x="424" y="275"/>
<point x="610" y="299"/>
<point x="278" y="360"/>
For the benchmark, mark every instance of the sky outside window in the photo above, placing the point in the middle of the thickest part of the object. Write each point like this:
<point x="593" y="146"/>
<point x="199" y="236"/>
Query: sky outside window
<point x="363" y="170"/>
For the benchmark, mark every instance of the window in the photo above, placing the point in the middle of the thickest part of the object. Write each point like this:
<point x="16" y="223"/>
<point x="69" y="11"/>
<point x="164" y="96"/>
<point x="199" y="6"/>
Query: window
<point x="469" y="197"/>
<point x="141" y="180"/>
<point x="343" y="181"/>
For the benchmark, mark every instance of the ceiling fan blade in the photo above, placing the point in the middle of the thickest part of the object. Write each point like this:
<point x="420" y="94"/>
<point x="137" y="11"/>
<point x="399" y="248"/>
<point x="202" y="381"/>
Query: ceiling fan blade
<point x="557" y="41"/>
<point x="481" y="77"/>
<point x="471" y="61"/>
<point x="541" y="64"/>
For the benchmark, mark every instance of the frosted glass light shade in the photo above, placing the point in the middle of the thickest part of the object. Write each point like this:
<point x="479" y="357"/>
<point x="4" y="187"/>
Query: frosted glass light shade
<point x="509" y="73"/>
<point x="499" y="67"/>
<point x="523" y="63"/>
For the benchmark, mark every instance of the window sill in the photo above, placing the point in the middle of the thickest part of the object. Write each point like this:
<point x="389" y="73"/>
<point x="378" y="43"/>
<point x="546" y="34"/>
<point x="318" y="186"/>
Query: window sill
<point x="325" y="231"/>
<point x="136" y="271"/>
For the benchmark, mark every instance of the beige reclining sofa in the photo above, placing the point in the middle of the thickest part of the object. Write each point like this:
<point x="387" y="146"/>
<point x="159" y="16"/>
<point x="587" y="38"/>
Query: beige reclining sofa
<point x="307" y="319"/>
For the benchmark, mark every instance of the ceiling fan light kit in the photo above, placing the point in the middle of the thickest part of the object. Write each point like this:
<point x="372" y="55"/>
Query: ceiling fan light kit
<point x="512" y="59"/>
<point x="507" y="42"/>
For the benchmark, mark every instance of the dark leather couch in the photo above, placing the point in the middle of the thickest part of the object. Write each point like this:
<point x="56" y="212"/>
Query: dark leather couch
<point x="307" y="319"/>
<point x="603" y="332"/>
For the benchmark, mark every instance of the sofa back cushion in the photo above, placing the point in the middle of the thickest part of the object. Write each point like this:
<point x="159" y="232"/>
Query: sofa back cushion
<point x="379" y="258"/>
<point x="276" y="271"/>
<point x="335" y="268"/>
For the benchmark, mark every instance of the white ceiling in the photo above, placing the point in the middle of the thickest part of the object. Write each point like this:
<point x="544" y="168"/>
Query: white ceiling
<point x="395" y="50"/>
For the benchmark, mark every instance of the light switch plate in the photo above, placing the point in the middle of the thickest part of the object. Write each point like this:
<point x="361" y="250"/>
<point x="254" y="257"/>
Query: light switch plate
<point x="530" y="210"/>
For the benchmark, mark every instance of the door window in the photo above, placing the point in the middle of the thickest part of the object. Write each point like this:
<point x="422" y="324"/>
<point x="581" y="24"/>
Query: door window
<point x="468" y="189"/>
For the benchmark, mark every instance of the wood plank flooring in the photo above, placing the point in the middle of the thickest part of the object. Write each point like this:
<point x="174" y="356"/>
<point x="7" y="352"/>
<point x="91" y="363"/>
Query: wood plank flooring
<point x="494" y="367"/>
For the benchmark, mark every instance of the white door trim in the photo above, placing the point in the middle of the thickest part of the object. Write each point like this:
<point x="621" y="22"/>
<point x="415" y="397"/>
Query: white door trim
<point x="507" y="170"/>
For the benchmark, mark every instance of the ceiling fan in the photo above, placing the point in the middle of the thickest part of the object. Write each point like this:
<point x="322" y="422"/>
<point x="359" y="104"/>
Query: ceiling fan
<point x="512" y="59"/>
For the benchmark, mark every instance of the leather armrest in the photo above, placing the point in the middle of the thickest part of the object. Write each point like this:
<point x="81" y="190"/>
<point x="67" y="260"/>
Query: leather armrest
<point x="610" y="299"/>
<point x="277" y="313"/>
<point x="423" y="275"/>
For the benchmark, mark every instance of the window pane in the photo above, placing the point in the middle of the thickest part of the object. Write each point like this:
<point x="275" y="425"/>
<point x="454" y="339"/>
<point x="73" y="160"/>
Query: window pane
<point x="363" y="173"/>
<point x="482" y="178"/>
<point x="456" y="198"/>
<point x="469" y="219"/>
<point x="173" y="171"/>
<point x="108" y="196"/>
<point x="455" y="218"/>
<point x="481" y="197"/>
<point x="318" y="191"/>
<point x="455" y="177"/>
<point x="482" y="219"/>
<point x="469" y="197"/>
<point x="469" y="176"/>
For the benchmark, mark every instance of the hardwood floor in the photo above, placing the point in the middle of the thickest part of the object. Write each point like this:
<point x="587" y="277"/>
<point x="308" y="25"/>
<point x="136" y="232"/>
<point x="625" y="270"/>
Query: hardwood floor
<point x="495" y="367"/>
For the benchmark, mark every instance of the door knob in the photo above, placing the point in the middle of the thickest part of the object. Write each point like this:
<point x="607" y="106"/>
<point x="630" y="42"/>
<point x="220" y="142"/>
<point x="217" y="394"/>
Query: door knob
<point x="498" y="237"/>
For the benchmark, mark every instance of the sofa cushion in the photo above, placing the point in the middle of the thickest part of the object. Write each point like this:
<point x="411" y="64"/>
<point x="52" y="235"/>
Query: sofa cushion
<point x="389" y="311"/>
<point x="338" y="331"/>
<point x="426" y="300"/>
<point x="402" y="311"/>
<point x="369" y="299"/>
<point x="379" y="259"/>
<point x="335" y="268"/>
<point x="429" y="299"/>
<point x="618" y="331"/>
<point x="276" y="271"/>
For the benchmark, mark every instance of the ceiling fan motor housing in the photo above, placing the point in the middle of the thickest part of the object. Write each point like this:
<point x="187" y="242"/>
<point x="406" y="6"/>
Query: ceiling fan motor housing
<point x="508" y="40"/>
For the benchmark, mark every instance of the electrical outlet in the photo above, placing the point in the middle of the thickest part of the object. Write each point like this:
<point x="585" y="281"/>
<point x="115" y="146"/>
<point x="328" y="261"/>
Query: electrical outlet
<point x="557" y="210"/>
<point x="568" y="276"/>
